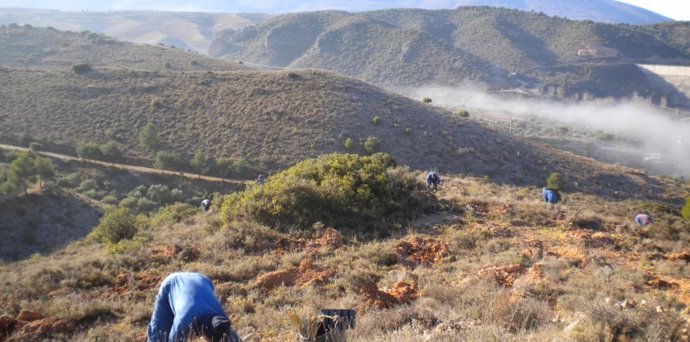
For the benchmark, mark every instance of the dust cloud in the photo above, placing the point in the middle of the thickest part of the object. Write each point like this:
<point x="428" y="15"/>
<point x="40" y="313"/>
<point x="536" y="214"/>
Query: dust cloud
<point x="660" y="139"/>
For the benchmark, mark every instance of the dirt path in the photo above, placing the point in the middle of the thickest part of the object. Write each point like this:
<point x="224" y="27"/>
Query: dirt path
<point x="131" y="167"/>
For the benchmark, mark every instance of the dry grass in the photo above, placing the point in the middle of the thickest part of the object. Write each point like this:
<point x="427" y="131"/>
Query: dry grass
<point x="564" y="293"/>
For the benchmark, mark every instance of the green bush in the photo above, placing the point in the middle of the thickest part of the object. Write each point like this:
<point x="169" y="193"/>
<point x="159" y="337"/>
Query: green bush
<point x="173" y="213"/>
<point x="81" y="68"/>
<point x="341" y="190"/>
<point x="167" y="160"/>
<point x="463" y="113"/>
<point x="71" y="180"/>
<point x="686" y="209"/>
<point x="348" y="144"/>
<point x="111" y="151"/>
<point x="372" y="144"/>
<point x="116" y="225"/>
<point x="90" y="150"/>
<point x="376" y="120"/>
<point x="426" y="100"/>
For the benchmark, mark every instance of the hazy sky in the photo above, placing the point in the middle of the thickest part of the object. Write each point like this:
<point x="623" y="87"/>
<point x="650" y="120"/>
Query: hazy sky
<point x="676" y="9"/>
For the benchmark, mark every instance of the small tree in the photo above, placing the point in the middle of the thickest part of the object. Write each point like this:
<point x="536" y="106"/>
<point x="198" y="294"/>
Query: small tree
<point x="45" y="170"/>
<point x="148" y="138"/>
<point x="22" y="171"/>
<point x="686" y="209"/>
<point x="200" y="163"/>
<point x="554" y="181"/>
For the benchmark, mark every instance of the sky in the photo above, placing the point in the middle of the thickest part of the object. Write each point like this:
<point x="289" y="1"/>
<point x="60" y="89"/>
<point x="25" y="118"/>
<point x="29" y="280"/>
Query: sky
<point x="675" y="9"/>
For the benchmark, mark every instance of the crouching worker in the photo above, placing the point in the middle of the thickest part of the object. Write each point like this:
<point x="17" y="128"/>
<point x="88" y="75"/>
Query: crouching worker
<point x="187" y="307"/>
<point x="433" y="180"/>
<point x="643" y="219"/>
<point x="551" y="196"/>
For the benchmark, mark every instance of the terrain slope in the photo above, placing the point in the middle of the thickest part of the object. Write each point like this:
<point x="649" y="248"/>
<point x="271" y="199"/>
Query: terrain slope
<point x="501" y="47"/>
<point x="274" y="119"/>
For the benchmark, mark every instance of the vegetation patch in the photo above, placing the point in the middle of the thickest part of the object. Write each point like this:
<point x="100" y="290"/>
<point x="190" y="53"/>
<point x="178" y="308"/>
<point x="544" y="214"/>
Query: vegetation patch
<point x="339" y="190"/>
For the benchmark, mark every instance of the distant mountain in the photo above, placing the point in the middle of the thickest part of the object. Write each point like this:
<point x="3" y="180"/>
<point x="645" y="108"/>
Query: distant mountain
<point x="48" y="48"/>
<point x="606" y="11"/>
<point x="502" y="47"/>
<point x="180" y="29"/>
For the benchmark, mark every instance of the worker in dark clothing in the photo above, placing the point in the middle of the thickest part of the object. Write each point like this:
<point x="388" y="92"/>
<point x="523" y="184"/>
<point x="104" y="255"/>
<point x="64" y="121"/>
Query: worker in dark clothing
<point x="433" y="180"/>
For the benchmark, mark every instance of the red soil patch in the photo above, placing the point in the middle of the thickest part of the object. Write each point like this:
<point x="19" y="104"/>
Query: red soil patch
<point x="418" y="251"/>
<point x="504" y="275"/>
<point x="684" y="256"/>
<point x="401" y="293"/>
<point x="306" y="274"/>
<point x="48" y="326"/>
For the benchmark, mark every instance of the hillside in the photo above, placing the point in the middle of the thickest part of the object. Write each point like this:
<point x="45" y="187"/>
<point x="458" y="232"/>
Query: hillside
<point x="495" y="265"/>
<point x="505" y="48"/>
<point x="606" y="11"/>
<point x="48" y="48"/>
<point x="274" y="119"/>
<point x="185" y="30"/>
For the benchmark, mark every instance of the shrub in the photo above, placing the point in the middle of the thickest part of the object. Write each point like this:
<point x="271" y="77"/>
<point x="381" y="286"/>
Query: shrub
<point x="463" y="113"/>
<point x="71" y="180"/>
<point x="116" y="225"/>
<point x="167" y="160"/>
<point x="81" y="68"/>
<point x="111" y="151"/>
<point x="426" y="100"/>
<point x="348" y="144"/>
<point x="34" y="146"/>
<point x="88" y="185"/>
<point x="376" y="120"/>
<point x="173" y="213"/>
<point x="89" y="150"/>
<point x="686" y="209"/>
<point x="372" y="144"/>
<point x="340" y="190"/>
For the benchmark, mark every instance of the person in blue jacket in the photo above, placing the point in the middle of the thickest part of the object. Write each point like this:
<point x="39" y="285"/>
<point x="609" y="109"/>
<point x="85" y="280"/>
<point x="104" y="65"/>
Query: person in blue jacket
<point x="433" y="180"/>
<point x="186" y="307"/>
<point x="551" y="196"/>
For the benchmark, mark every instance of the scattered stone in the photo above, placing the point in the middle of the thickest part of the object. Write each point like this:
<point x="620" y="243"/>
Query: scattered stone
<point x="29" y="316"/>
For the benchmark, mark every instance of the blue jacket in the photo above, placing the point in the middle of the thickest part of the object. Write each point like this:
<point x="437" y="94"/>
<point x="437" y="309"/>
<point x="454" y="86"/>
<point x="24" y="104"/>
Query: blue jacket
<point x="551" y="196"/>
<point x="185" y="305"/>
